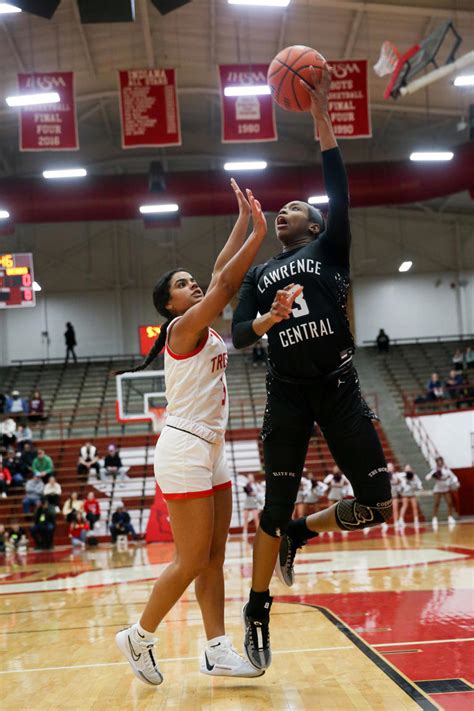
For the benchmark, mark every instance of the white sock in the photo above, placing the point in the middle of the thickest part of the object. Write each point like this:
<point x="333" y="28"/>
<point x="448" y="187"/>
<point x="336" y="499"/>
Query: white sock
<point x="142" y="633"/>
<point x="217" y="640"/>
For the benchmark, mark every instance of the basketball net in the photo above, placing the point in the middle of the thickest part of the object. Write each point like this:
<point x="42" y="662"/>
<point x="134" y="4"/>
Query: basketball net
<point x="158" y="418"/>
<point x="389" y="56"/>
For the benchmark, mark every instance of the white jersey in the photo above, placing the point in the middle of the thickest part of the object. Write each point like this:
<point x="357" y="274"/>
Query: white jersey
<point x="443" y="481"/>
<point x="196" y="388"/>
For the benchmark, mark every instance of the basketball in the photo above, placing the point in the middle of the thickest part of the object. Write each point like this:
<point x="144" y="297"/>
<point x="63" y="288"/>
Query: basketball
<point x="284" y="74"/>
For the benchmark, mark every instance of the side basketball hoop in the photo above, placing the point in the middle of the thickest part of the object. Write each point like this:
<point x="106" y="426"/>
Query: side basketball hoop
<point x="158" y="418"/>
<point x="389" y="56"/>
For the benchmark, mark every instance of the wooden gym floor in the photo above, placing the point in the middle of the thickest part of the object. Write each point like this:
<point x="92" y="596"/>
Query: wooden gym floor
<point x="374" y="621"/>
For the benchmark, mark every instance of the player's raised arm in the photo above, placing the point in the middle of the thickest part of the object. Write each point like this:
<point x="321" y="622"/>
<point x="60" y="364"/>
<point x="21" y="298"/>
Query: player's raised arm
<point x="229" y="279"/>
<point x="338" y="235"/>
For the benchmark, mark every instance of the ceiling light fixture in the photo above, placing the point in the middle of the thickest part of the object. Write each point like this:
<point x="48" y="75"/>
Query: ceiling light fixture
<point x="261" y="3"/>
<point x="47" y="97"/>
<point x="405" y="266"/>
<point x="464" y="80"/>
<point x="64" y="173"/>
<point x="4" y="215"/>
<point x="246" y="165"/>
<point x="7" y="9"/>
<point x="256" y="90"/>
<point x="431" y="155"/>
<point x="318" y="199"/>
<point x="158" y="209"/>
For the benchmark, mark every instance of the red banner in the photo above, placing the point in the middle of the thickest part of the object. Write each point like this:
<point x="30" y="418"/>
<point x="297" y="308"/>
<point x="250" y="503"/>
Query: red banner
<point x="147" y="335"/>
<point x="48" y="127"/>
<point x="246" y="118"/>
<point x="349" y="99"/>
<point x="149" y="108"/>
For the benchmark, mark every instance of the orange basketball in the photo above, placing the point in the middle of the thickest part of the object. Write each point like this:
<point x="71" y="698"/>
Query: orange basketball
<point x="285" y="72"/>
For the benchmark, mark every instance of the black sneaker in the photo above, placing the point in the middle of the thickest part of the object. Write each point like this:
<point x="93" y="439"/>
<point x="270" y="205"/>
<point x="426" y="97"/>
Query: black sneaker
<point x="284" y="567"/>
<point x="257" y="640"/>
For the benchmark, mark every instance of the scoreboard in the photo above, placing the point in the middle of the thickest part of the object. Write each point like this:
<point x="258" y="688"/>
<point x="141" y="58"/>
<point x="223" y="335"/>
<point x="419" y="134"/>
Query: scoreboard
<point x="16" y="280"/>
<point x="147" y="335"/>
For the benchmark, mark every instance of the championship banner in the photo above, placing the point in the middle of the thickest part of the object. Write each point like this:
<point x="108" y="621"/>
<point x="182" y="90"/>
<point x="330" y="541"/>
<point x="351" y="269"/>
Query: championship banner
<point x="48" y="127"/>
<point x="149" y="108"/>
<point x="349" y="99"/>
<point x="249" y="117"/>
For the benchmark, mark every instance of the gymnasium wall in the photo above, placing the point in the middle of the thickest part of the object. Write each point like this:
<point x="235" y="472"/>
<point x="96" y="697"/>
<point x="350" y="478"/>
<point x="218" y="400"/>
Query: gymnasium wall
<point x="414" y="305"/>
<point x="451" y="434"/>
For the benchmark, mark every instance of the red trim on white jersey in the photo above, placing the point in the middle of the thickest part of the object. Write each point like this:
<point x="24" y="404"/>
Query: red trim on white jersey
<point x="183" y="356"/>
<point x="216" y="334"/>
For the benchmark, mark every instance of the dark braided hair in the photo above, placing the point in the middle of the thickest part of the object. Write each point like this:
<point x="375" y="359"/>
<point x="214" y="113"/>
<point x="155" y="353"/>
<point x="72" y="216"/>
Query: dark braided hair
<point x="161" y="296"/>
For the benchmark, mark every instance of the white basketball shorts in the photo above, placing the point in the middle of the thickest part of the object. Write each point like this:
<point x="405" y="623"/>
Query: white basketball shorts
<point x="188" y="467"/>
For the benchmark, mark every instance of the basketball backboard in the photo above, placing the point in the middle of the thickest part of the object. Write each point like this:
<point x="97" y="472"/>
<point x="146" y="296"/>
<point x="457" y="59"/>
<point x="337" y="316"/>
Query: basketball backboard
<point x="140" y="395"/>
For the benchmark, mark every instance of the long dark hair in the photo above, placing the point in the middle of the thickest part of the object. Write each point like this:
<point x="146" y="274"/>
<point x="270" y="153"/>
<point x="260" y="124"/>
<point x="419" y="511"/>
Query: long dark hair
<point x="161" y="296"/>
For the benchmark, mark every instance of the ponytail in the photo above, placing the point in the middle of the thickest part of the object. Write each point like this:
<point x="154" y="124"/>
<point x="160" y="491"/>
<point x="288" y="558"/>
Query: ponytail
<point x="153" y="353"/>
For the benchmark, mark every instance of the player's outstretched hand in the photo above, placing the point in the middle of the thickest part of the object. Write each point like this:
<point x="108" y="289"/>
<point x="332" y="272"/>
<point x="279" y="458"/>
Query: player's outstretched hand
<point x="283" y="302"/>
<point x="258" y="218"/>
<point x="319" y="91"/>
<point x="243" y="203"/>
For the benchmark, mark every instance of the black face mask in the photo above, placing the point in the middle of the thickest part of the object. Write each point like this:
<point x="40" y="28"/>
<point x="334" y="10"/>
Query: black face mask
<point x="409" y="475"/>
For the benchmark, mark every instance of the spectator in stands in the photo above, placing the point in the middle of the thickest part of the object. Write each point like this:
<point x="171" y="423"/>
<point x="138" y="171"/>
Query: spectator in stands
<point x="113" y="466"/>
<point x="36" y="410"/>
<point x="72" y="505"/>
<point x="16" y="405"/>
<point x="434" y="388"/>
<point x="303" y="491"/>
<point x="23" y="435"/>
<point x="318" y="489"/>
<point x="70" y="339"/>
<point x="3" y="402"/>
<point x="338" y="485"/>
<point x="16" y="536"/>
<point x="121" y="524"/>
<point x="396" y="484"/>
<point x="12" y="463"/>
<point x="469" y="358"/>
<point x="33" y="492"/>
<point x="3" y="538"/>
<point x="52" y="492"/>
<point x="383" y="342"/>
<point x="92" y="509"/>
<point x="251" y="505"/>
<point x="410" y="485"/>
<point x="259" y="355"/>
<point x="88" y="459"/>
<point x="444" y="479"/>
<point x="27" y="457"/>
<point x="5" y="479"/>
<point x="44" y="526"/>
<point x="458" y="360"/>
<point x="9" y="432"/>
<point x="78" y="530"/>
<point x="455" y="383"/>
<point x="43" y="465"/>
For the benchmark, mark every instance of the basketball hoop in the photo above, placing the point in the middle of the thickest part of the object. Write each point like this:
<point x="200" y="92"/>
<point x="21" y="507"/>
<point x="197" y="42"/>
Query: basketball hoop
<point x="158" y="418"/>
<point x="389" y="56"/>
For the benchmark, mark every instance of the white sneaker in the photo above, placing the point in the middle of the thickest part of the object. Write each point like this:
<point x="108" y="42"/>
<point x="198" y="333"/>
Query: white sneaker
<point x="384" y="527"/>
<point x="452" y="520"/>
<point x="221" y="659"/>
<point x="4" y="496"/>
<point x="434" y="522"/>
<point x="139" y="654"/>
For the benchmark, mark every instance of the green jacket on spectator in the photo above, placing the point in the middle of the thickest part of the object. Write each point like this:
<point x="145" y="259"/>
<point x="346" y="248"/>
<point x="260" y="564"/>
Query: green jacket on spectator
<point x="43" y="465"/>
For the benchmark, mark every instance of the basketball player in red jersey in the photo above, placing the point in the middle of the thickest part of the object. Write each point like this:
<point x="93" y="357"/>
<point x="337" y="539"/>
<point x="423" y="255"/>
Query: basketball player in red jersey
<point x="310" y="378"/>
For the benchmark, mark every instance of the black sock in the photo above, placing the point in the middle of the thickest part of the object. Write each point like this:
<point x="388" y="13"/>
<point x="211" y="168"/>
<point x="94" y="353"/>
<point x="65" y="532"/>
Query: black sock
<point x="299" y="532"/>
<point x="259" y="604"/>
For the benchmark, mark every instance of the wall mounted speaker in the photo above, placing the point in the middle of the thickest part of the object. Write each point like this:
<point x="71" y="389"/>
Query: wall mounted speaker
<point x="156" y="177"/>
<point x="166" y="6"/>
<point x="42" y="8"/>
<point x="95" y="11"/>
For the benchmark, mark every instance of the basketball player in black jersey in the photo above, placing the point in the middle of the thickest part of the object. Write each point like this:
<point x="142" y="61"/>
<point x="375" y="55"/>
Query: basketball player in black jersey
<point x="301" y="294"/>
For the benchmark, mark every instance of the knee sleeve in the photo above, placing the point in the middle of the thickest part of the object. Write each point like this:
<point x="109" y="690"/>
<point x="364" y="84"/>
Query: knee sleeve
<point x="275" y="518"/>
<point x="352" y="515"/>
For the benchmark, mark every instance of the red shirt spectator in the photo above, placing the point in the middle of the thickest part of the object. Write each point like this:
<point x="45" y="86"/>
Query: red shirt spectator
<point x="36" y="408"/>
<point x="77" y="527"/>
<point x="91" y="505"/>
<point x="5" y="479"/>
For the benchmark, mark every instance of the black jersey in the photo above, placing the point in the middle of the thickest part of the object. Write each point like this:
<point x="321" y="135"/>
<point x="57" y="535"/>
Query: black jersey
<point x="316" y="339"/>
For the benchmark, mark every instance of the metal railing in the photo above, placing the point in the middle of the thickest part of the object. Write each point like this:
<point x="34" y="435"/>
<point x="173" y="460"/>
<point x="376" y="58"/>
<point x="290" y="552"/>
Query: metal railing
<point x="459" y="337"/>
<point x="456" y="397"/>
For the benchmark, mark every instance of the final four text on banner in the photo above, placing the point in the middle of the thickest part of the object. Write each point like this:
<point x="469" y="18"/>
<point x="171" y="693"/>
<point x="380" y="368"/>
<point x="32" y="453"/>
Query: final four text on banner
<point x="149" y="108"/>
<point x="48" y="127"/>
<point x="349" y="99"/>
<point x="246" y="118"/>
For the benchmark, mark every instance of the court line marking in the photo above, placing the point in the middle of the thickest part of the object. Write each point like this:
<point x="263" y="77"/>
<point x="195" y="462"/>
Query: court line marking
<point x="426" y="641"/>
<point x="164" y="660"/>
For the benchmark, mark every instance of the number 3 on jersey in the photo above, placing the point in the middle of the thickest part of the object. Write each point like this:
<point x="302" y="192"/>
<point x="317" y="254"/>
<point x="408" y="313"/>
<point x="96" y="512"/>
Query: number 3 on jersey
<point x="300" y="307"/>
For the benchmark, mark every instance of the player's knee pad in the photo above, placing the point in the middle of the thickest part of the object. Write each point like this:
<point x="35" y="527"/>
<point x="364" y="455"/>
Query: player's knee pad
<point x="352" y="515"/>
<point x="275" y="518"/>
